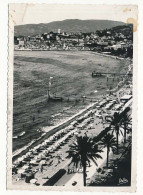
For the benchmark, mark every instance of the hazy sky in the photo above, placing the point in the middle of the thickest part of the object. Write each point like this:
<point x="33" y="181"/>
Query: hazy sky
<point x="45" y="13"/>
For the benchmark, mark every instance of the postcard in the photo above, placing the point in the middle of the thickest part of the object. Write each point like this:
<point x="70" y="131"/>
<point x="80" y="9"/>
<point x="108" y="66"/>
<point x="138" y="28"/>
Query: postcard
<point x="72" y="97"/>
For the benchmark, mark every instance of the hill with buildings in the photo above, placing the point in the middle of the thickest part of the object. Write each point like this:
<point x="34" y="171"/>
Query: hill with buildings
<point x="70" y="25"/>
<point x="116" y="41"/>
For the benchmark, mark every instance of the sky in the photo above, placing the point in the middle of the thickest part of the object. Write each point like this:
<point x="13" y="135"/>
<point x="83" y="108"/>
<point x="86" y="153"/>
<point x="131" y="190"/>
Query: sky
<point x="45" y="13"/>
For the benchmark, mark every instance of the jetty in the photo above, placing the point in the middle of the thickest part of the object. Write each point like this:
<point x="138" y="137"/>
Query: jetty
<point x="105" y="74"/>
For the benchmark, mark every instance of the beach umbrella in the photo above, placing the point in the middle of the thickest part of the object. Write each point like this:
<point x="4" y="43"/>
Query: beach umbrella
<point x="42" y="162"/>
<point x="27" y="155"/>
<point x="51" y="138"/>
<point x="58" y="143"/>
<point x="25" y="167"/>
<point x="45" y="144"/>
<point x="33" y="161"/>
<point x="65" y="130"/>
<point x="15" y="162"/>
<point x="44" y="152"/>
<point x="35" y="157"/>
<point x="20" y="159"/>
<point x="53" y="147"/>
<point x="34" y="149"/>
<point x="47" y="141"/>
<point x="48" y="150"/>
<point x="39" y="146"/>
<point x="24" y="156"/>
<point x="39" y="156"/>
<point x="21" y="171"/>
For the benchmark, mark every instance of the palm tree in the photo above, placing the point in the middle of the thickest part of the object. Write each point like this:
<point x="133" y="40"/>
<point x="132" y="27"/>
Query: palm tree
<point x="125" y="123"/>
<point x="115" y="124"/>
<point x="82" y="151"/>
<point x="108" y="141"/>
<point x="117" y="131"/>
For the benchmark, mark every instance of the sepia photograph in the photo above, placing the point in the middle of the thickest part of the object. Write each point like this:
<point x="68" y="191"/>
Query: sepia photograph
<point x="70" y="98"/>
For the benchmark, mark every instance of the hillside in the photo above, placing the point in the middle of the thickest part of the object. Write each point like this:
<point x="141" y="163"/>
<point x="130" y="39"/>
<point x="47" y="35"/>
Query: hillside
<point x="73" y="25"/>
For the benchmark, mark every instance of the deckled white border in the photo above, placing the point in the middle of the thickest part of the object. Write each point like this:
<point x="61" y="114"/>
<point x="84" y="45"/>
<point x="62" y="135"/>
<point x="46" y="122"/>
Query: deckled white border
<point x="3" y="85"/>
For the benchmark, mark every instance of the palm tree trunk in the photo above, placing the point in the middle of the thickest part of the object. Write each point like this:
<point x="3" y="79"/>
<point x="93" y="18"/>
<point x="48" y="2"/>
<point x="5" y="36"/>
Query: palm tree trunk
<point x="117" y="142"/>
<point x="125" y="132"/>
<point x="107" y="156"/>
<point x="84" y="175"/>
<point x="117" y="137"/>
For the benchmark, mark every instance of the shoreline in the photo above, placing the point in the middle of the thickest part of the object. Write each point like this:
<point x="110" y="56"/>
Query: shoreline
<point x="53" y="129"/>
<point x="53" y="168"/>
<point x="58" y="127"/>
<point x="112" y="56"/>
<point x="40" y="177"/>
<point x="98" y="53"/>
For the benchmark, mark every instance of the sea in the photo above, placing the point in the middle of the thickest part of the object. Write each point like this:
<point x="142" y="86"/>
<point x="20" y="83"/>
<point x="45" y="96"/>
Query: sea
<point x="70" y="75"/>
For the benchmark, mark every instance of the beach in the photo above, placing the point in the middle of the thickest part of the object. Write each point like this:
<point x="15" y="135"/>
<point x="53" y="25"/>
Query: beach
<point x="71" y="79"/>
<point x="51" y="153"/>
<point x="41" y="150"/>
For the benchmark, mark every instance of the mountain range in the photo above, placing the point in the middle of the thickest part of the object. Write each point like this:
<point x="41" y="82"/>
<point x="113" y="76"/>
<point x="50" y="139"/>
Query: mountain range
<point x="70" y="25"/>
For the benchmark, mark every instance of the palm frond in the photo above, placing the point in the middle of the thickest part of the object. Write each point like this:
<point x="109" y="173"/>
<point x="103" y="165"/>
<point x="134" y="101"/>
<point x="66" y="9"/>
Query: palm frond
<point x="92" y="158"/>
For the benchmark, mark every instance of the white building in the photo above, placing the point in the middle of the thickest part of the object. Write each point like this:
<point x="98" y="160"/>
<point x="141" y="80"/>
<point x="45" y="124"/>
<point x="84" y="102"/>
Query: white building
<point x="59" y="30"/>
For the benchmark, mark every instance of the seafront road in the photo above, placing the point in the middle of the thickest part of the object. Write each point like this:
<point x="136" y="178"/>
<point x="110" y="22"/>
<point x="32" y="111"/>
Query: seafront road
<point x="69" y="179"/>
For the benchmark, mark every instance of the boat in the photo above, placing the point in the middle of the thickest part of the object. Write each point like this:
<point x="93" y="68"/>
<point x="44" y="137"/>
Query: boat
<point x="55" y="99"/>
<point x="21" y="134"/>
<point x="15" y="137"/>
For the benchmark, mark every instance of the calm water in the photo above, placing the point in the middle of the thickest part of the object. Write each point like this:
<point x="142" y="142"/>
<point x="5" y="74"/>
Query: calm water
<point x="71" y="72"/>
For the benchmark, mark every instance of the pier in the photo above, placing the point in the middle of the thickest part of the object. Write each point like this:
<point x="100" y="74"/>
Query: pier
<point x="101" y="74"/>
